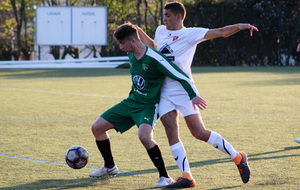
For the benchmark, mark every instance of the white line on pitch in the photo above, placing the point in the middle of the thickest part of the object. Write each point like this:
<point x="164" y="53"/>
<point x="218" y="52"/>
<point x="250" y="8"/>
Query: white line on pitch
<point x="50" y="162"/>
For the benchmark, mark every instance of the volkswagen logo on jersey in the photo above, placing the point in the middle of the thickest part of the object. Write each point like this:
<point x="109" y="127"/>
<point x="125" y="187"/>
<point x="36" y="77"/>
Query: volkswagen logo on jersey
<point x="139" y="82"/>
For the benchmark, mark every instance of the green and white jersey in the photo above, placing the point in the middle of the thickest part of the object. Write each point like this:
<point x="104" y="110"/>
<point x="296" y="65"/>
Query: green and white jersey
<point x="147" y="76"/>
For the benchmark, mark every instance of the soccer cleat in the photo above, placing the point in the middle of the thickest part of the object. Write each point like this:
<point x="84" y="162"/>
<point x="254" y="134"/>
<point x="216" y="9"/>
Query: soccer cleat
<point x="182" y="183"/>
<point x="163" y="182"/>
<point x="104" y="171"/>
<point x="243" y="167"/>
<point x="297" y="140"/>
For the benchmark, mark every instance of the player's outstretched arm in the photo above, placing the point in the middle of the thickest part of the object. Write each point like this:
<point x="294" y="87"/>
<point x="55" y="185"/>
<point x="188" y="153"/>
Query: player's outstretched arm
<point x="199" y="102"/>
<point x="229" y="30"/>
<point x="144" y="37"/>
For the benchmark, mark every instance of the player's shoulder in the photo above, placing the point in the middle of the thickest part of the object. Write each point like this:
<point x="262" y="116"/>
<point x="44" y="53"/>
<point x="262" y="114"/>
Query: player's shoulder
<point x="154" y="55"/>
<point x="152" y="52"/>
<point x="161" y="28"/>
<point x="195" y="33"/>
<point x="130" y="55"/>
<point x="197" y="29"/>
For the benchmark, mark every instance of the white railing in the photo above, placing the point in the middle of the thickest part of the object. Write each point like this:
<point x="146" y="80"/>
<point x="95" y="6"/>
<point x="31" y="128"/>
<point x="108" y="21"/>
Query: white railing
<point x="104" y="62"/>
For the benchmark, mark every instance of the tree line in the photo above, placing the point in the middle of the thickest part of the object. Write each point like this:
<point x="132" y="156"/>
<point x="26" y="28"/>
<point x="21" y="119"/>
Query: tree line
<point x="277" y="21"/>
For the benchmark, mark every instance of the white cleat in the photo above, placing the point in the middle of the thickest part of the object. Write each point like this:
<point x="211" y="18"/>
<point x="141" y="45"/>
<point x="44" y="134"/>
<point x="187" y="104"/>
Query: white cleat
<point x="104" y="171"/>
<point x="164" y="181"/>
<point x="297" y="140"/>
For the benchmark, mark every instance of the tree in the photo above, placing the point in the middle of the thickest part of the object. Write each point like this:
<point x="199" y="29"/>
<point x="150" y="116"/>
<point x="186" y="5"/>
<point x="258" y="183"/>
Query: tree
<point x="145" y="14"/>
<point x="6" y="32"/>
<point x="19" y="26"/>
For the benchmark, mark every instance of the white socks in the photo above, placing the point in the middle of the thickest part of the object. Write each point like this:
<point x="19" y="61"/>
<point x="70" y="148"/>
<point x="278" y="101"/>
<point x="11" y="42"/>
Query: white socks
<point x="215" y="140"/>
<point x="179" y="154"/>
<point x="218" y="142"/>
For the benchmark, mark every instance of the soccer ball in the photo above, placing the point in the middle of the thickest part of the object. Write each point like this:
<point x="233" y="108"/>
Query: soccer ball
<point x="77" y="157"/>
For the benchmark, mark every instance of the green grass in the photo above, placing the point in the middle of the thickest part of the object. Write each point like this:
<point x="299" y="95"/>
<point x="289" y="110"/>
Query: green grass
<point x="44" y="112"/>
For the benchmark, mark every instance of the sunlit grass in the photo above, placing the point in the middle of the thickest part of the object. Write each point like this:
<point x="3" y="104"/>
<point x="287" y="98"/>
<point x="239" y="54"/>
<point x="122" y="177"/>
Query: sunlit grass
<point x="44" y="112"/>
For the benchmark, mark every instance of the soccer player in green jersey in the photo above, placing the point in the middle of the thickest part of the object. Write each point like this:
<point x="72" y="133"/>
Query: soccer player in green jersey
<point x="148" y="69"/>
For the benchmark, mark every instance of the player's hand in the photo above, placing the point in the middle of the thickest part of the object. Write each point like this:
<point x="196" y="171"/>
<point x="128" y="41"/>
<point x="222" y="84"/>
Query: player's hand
<point x="137" y="27"/>
<point x="249" y="27"/>
<point x="199" y="102"/>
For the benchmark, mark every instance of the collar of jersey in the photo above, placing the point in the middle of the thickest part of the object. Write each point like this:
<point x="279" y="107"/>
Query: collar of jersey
<point x="142" y="56"/>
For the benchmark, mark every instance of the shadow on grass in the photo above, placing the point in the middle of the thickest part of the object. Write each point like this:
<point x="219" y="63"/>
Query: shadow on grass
<point x="60" y="73"/>
<point x="60" y="184"/>
<point x="98" y="72"/>
<point x="89" y="182"/>
<point x="232" y="187"/>
<point x="251" y="157"/>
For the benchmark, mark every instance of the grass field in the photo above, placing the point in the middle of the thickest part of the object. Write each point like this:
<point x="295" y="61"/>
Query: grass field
<point x="44" y="112"/>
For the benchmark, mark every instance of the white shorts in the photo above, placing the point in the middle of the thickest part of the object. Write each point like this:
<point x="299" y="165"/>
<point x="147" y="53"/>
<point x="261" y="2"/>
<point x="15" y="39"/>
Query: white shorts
<point x="181" y="103"/>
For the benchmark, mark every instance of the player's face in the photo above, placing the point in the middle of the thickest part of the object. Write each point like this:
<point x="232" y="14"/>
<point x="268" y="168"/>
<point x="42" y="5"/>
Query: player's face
<point x="171" y="20"/>
<point x="125" y="45"/>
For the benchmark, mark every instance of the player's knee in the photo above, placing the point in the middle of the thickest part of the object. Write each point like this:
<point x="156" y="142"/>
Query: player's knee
<point x="94" y="128"/>
<point x="171" y="134"/>
<point x="199" y="135"/>
<point x="169" y="120"/>
<point x="171" y="129"/>
<point x="203" y="135"/>
<point x="101" y="125"/>
<point x="145" y="139"/>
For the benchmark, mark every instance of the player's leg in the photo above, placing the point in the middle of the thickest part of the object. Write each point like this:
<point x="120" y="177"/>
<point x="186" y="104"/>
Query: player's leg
<point x="146" y="138"/>
<point x="146" y="135"/>
<point x="169" y="118"/>
<point x="114" y="118"/>
<point x="170" y="122"/>
<point x="146" y="120"/>
<point x="99" y="129"/>
<point x="198" y="130"/>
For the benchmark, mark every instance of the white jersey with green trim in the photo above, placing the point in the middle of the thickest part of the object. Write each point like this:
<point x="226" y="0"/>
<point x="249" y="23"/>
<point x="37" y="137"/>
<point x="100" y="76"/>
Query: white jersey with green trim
<point x="178" y="46"/>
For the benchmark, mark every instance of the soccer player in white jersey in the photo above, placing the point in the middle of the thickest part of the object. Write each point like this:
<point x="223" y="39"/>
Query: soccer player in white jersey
<point x="179" y="43"/>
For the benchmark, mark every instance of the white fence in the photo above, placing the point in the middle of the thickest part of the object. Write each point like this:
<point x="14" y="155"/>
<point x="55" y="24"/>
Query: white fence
<point x="105" y="62"/>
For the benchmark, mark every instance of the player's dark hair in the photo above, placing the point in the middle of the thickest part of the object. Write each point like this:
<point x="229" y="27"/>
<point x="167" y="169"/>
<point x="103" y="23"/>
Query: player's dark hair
<point x="176" y="8"/>
<point x="125" y="32"/>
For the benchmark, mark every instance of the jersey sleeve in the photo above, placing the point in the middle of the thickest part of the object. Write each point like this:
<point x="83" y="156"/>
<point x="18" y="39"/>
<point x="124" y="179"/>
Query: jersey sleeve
<point x="197" y="34"/>
<point x="171" y="70"/>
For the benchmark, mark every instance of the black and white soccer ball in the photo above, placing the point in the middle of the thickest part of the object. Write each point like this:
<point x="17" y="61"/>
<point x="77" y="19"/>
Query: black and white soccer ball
<point x="77" y="157"/>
